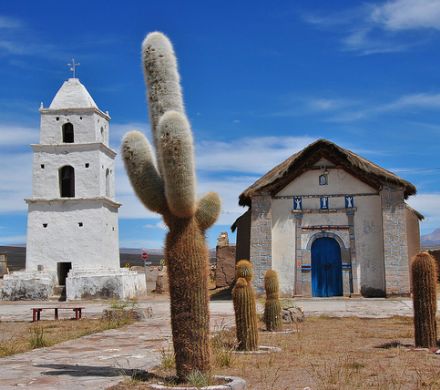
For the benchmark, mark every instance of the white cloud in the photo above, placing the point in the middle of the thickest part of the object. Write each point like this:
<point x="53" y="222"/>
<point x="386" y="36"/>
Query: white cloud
<point x="247" y="155"/>
<point x="420" y="100"/>
<point x="399" y="15"/>
<point x="377" y="28"/>
<point x="10" y="240"/>
<point x="7" y="22"/>
<point x="16" y="178"/>
<point x="429" y="206"/>
<point x="13" y="135"/>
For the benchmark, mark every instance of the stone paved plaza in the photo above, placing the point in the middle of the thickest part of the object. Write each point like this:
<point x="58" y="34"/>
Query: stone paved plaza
<point x="102" y="359"/>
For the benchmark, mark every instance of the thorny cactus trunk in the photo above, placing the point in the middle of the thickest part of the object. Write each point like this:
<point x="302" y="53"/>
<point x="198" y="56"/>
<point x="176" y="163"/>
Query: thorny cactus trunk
<point x="424" y="282"/>
<point x="272" y="307"/>
<point x="243" y="297"/>
<point x="166" y="185"/>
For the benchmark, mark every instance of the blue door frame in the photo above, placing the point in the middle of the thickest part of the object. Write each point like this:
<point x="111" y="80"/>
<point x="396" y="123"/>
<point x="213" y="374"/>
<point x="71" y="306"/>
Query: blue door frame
<point x="326" y="268"/>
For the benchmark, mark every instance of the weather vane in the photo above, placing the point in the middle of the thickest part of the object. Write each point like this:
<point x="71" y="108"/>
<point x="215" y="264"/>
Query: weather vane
<point x="73" y="66"/>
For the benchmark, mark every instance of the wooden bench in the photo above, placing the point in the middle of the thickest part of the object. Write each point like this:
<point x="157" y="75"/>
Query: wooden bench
<point x="37" y="310"/>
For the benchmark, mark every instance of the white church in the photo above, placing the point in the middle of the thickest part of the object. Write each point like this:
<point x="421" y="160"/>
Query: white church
<point x="72" y="234"/>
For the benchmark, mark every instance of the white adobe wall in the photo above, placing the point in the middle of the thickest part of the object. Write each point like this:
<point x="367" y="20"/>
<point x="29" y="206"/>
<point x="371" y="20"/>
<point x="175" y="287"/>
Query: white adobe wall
<point x="45" y="181"/>
<point x="86" y="126"/>
<point x="63" y="240"/>
<point x="367" y="219"/>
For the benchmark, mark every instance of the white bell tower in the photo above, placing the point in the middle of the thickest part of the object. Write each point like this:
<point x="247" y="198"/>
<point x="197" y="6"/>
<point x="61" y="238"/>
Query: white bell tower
<point x="72" y="234"/>
<point x="73" y="215"/>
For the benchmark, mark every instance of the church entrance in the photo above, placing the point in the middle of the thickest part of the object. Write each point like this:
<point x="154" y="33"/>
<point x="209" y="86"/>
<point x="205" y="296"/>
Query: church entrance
<point x="63" y="270"/>
<point x="326" y="268"/>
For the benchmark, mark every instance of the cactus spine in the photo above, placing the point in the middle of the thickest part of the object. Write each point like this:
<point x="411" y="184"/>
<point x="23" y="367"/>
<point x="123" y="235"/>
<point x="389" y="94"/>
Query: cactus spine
<point x="166" y="184"/>
<point x="424" y="281"/>
<point x="245" y="309"/>
<point x="272" y="307"/>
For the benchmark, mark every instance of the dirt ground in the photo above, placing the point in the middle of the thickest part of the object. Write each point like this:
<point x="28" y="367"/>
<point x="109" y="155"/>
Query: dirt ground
<point x="328" y="353"/>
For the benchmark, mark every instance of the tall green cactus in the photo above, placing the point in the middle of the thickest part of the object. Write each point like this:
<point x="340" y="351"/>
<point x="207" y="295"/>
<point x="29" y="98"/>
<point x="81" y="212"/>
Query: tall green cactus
<point x="166" y="184"/>
<point x="243" y="297"/>
<point x="272" y="307"/>
<point x="424" y="282"/>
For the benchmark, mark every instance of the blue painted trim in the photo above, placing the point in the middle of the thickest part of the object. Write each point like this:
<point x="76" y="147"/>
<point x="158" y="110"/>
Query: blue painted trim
<point x="306" y="267"/>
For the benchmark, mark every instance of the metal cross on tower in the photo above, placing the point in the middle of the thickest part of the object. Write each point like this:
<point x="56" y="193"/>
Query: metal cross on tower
<point x="73" y="66"/>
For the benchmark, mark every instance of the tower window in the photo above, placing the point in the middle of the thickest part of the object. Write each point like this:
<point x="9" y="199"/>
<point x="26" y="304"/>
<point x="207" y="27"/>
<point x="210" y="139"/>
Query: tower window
<point x="107" y="183"/>
<point x="58" y="118"/>
<point x="68" y="132"/>
<point x="42" y="166"/>
<point x="80" y="224"/>
<point x="67" y="181"/>
<point x="87" y="165"/>
<point x="45" y="225"/>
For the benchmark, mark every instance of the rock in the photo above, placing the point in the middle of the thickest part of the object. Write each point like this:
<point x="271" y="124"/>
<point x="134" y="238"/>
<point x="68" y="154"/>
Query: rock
<point x="137" y="314"/>
<point x="293" y="315"/>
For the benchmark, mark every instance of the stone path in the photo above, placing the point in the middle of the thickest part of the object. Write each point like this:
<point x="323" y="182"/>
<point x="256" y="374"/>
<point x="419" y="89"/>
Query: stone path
<point x="102" y="359"/>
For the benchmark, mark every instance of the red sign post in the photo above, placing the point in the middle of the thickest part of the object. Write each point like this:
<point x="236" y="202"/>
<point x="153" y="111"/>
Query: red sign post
<point x="144" y="257"/>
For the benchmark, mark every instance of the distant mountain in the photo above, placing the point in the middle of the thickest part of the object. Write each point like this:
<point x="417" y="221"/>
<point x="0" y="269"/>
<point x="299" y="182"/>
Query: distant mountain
<point x="432" y="239"/>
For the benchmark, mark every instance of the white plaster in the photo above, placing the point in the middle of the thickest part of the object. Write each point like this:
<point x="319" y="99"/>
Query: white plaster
<point x="81" y="230"/>
<point x="72" y="94"/>
<point x="367" y="220"/>
<point x="96" y="282"/>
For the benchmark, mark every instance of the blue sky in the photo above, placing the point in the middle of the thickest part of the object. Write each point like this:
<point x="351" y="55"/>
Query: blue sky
<point x="261" y="81"/>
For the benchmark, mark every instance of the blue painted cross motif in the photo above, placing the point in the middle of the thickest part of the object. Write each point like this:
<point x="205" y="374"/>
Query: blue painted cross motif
<point x="297" y="203"/>
<point x="349" y="201"/>
<point x="324" y="202"/>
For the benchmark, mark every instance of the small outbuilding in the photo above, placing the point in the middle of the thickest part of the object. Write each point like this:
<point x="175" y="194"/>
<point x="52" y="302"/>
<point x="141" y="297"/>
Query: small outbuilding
<point x="331" y="223"/>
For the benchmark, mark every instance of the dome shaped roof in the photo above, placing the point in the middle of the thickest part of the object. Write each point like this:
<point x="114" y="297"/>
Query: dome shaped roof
<point x="72" y="94"/>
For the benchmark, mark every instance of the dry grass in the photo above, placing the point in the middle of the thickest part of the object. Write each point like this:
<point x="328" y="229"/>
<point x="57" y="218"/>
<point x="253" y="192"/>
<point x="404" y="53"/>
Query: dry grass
<point x="17" y="337"/>
<point x="330" y="353"/>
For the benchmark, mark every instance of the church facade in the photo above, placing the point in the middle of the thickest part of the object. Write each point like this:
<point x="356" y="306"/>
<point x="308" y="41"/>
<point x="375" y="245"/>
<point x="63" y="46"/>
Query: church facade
<point x="331" y="223"/>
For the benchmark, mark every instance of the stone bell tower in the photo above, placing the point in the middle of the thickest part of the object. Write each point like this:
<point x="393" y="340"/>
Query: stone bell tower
<point x="72" y="233"/>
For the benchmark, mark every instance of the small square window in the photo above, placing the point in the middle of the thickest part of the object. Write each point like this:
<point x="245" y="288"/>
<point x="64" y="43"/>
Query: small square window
<point x="323" y="179"/>
<point x="45" y="225"/>
<point x="113" y="228"/>
<point x="80" y="224"/>
<point x="57" y="118"/>
<point x="42" y="166"/>
<point x="87" y="165"/>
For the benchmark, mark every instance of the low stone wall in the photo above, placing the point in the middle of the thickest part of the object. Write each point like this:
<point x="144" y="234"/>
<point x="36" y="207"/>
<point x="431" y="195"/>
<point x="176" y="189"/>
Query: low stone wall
<point x="23" y="285"/>
<point x="95" y="284"/>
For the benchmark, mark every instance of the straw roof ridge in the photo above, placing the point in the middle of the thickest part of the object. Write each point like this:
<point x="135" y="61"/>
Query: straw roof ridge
<point x="365" y="170"/>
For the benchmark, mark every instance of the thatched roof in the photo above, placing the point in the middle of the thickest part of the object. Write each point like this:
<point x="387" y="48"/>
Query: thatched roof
<point x="278" y="177"/>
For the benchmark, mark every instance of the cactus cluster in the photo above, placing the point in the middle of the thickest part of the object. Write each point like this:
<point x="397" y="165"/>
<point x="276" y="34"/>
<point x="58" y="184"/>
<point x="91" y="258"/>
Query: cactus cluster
<point x="243" y="296"/>
<point x="424" y="282"/>
<point x="272" y="307"/>
<point x="166" y="184"/>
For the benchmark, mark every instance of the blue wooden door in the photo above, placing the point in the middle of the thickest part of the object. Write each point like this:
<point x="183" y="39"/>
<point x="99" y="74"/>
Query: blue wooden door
<point x="326" y="268"/>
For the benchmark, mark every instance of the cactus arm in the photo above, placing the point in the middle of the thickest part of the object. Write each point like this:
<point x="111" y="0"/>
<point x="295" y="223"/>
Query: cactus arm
<point x="175" y="151"/>
<point x="142" y="172"/>
<point x="208" y="210"/>
<point x="162" y="79"/>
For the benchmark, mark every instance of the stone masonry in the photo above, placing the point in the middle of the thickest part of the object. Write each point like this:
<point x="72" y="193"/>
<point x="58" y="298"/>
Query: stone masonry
<point x="261" y="238"/>
<point x="395" y="248"/>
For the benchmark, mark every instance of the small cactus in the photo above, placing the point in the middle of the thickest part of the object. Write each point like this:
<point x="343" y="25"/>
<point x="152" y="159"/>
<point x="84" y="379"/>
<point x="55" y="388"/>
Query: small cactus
<point x="244" y="269"/>
<point x="243" y="297"/>
<point x="424" y="281"/>
<point x="272" y="307"/>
